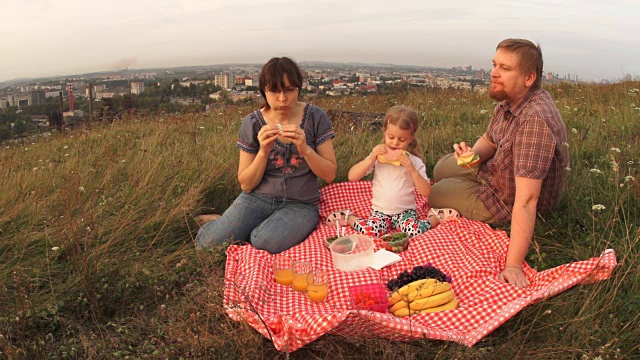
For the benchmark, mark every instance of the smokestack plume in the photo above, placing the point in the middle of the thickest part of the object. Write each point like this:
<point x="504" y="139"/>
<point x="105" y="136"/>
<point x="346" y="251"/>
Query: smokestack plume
<point x="125" y="63"/>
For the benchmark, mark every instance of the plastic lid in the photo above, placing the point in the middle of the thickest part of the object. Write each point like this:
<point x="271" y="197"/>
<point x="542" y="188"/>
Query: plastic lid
<point x="351" y="244"/>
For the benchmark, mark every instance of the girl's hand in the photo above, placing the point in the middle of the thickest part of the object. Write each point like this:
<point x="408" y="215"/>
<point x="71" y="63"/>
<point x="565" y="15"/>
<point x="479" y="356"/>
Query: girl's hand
<point x="406" y="162"/>
<point x="297" y="137"/>
<point x="378" y="150"/>
<point x="266" y="136"/>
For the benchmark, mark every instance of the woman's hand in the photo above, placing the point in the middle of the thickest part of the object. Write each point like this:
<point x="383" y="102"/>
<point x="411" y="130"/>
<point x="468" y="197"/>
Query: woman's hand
<point x="266" y="136"/>
<point x="297" y="137"/>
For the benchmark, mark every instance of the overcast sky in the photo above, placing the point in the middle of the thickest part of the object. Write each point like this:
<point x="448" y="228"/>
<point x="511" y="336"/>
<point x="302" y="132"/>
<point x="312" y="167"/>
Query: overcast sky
<point x="594" y="39"/>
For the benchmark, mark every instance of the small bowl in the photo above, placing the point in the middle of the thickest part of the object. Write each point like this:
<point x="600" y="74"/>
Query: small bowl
<point x="371" y="297"/>
<point x="330" y="239"/>
<point x="397" y="242"/>
<point x="352" y="252"/>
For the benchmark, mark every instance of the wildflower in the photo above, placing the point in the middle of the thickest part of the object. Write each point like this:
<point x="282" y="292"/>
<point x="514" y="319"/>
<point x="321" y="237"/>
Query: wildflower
<point x="596" y="171"/>
<point x="66" y="154"/>
<point x="81" y="188"/>
<point x="614" y="149"/>
<point x="630" y="162"/>
<point x="574" y="130"/>
<point x="614" y="166"/>
<point x="124" y="161"/>
<point x="547" y="312"/>
<point x="483" y="111"/>
<point x="629" y="178"/>
<point x="565" y="144"/>
<point x="55" y="248"/>
<point x="598" y="207"/>
<point x="201" y="127"/>
<point x="65" y="147"/>
<point x="35" y="168"/>
<point x="567" y="168"/>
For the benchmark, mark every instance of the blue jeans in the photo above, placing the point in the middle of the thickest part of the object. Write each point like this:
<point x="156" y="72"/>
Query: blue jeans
<point x="268" y="224"/>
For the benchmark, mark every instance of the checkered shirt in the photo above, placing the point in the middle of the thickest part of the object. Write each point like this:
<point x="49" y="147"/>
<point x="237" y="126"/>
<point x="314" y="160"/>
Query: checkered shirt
<point x="531" y="141"/>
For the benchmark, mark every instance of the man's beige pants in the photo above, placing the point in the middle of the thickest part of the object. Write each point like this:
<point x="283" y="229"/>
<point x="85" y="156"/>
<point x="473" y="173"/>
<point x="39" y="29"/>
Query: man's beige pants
<point x="456" y="187"/>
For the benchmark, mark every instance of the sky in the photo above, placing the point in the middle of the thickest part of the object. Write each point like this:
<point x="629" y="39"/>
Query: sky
<point x="595" y="40"/>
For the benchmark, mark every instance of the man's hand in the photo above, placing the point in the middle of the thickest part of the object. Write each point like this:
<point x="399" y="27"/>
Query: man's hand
<point x="514" y="276"/>
<point x="459" y="149"/>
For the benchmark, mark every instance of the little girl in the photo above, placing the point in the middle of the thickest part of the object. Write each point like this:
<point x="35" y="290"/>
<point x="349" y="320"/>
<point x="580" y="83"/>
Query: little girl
<point x="394" y="182"/>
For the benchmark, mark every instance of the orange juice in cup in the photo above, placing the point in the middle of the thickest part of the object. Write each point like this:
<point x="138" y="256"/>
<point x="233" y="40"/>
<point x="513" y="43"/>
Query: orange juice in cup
<point x="317" y="285"/>
<point x="300" y="271"/>
<point x="283" y="270"/>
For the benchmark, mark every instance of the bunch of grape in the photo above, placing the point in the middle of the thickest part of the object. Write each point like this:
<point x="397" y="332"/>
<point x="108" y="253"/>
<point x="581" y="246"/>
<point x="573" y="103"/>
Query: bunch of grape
<point x="419" y="272"/>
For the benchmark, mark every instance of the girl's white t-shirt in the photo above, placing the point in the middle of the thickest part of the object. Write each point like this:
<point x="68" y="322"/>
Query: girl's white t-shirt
<point x="393" y="187"/>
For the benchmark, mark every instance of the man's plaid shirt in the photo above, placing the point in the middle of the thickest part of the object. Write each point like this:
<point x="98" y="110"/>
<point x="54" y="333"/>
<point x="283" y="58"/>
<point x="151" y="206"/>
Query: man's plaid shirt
<point x="531" y="141"/>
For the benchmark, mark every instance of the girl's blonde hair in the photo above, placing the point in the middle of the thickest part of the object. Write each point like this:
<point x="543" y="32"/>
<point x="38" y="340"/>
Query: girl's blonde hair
<point x="405" y="118"/>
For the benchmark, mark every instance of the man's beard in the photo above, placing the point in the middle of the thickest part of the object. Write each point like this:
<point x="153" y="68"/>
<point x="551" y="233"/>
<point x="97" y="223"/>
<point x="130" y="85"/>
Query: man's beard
<point x="498" y="95"/>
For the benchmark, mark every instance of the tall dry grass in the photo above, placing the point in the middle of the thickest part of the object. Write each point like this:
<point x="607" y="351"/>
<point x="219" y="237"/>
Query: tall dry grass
<point x="96" y="234"/>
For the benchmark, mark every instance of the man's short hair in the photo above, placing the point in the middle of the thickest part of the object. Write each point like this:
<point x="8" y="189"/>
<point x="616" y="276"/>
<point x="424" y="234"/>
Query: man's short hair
<point x="529" y="55"/>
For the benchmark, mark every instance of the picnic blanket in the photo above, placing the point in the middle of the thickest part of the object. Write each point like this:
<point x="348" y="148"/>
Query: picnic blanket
<point x="470" y="252"/>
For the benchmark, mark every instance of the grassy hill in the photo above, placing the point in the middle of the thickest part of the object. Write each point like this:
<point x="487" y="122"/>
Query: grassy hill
<point x="97" y="231"/>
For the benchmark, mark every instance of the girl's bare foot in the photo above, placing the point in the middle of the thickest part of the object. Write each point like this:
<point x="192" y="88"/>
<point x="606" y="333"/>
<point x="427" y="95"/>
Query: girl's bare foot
<point x="205" y="218"/>
<point x="433" y="219"/>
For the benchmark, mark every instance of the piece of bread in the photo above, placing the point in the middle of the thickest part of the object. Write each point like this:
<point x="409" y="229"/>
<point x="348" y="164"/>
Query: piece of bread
<point x="468" y="159"/>
<point x="391" y="157"/>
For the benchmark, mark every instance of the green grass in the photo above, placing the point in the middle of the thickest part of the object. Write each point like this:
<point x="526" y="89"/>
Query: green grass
<point x="96" y="235"/>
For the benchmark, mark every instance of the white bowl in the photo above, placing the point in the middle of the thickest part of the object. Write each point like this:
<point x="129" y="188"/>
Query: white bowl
<point x="352" y="252"/>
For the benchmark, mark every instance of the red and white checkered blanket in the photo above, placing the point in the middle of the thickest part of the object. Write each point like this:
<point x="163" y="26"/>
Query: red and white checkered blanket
<point x="469" y="251"/>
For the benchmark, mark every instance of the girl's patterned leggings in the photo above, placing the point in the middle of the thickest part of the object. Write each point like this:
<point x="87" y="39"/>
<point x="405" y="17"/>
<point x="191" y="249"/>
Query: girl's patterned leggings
<point x="380" y="223"/>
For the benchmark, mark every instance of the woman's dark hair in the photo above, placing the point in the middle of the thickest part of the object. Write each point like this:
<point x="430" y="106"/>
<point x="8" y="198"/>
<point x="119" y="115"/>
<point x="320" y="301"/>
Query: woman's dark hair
<point x="273" y="73"/>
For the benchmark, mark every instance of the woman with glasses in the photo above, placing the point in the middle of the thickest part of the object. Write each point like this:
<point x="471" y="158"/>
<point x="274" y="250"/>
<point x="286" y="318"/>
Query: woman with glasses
<point x="285" y="146"/>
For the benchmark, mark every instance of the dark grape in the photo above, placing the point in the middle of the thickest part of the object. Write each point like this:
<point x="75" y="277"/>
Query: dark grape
<point x="417" y="273"/>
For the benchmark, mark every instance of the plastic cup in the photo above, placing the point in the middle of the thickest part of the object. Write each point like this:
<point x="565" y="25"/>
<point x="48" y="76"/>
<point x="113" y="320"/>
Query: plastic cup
<point x="317" y="285"/>
<point x="283" y="270"/>
<point x="300" y="271"/>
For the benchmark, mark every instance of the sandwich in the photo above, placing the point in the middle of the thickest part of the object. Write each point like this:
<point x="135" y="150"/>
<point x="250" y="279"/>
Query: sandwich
<point x="468" y="159"/>
<point x="391" y="157"/>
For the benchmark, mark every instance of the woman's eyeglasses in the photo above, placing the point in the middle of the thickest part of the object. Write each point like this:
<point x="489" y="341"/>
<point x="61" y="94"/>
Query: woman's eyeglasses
<point x="287" y="91"/>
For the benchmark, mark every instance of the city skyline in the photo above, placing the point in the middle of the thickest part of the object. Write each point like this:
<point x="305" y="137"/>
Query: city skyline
<point x="596" y="41"/>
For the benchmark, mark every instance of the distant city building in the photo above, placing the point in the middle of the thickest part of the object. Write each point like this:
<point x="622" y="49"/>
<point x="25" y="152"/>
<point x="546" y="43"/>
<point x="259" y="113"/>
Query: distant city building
<point x="221" y="80"/>
<point x="36" y="97"/>
<point x="137" y="87"/>
<point x="50" y="94"/>
<point x="105" y="94"/>
<point x="74" y="113"/>
<point x="79" y="85"/>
